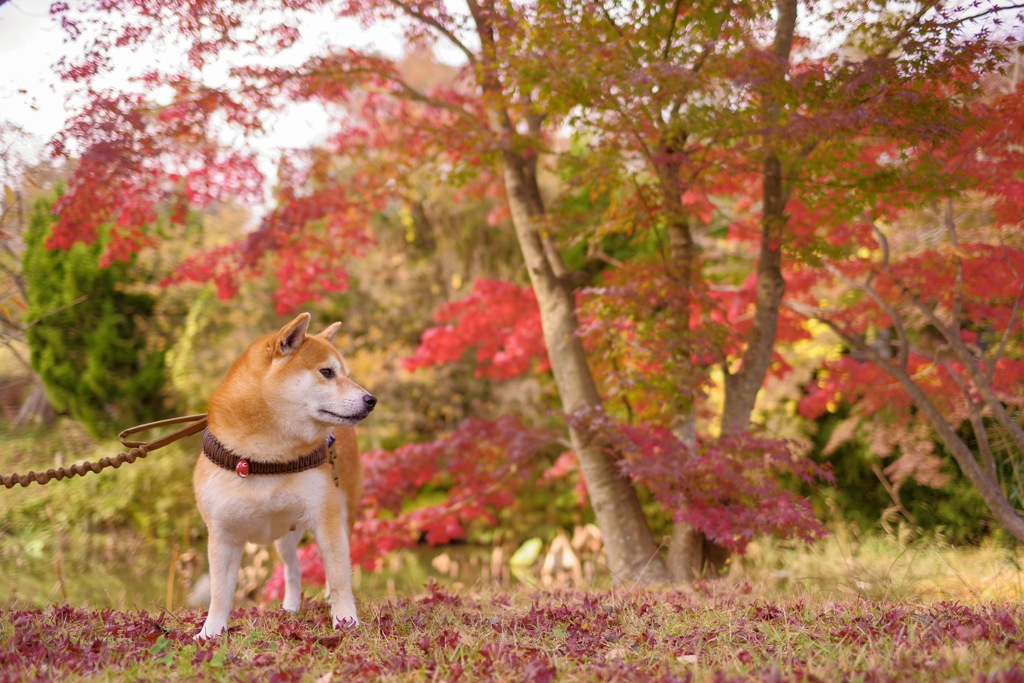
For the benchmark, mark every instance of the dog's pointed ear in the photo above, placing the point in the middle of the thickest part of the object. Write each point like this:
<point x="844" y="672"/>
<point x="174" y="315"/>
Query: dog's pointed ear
<point x="291" y="336"/>
<point x="331" y="332"/>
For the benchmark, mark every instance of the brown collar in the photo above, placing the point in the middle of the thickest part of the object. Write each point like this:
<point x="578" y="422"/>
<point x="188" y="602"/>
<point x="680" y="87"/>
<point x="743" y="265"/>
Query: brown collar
<point x="219" y="455"/>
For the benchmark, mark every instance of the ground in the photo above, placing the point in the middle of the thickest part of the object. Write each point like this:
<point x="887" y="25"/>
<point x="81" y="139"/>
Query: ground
<point x="700" y="634"/>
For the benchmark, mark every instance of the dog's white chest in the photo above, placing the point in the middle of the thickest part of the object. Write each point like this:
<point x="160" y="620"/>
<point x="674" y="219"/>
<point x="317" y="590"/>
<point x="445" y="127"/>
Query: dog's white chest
<point x="262" y="508"/>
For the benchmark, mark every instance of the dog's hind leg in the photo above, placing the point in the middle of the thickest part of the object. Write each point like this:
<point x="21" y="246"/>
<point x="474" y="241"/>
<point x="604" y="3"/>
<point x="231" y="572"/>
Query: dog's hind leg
<point x="225" y="561"/>
<point x="286" y="547"/>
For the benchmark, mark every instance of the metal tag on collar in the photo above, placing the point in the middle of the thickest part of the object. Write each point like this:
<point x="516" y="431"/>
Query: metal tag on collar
<point x="242" y="468"/>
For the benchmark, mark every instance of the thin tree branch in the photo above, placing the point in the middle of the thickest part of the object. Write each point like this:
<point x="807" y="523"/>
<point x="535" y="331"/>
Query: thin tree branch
<point x="990" y="364"/>
<point x="791" y="177"/>
<point x="904" y="33"/>
<point x="671" y="30"/>
<point x="435" y="24"/>
<point x="415" y="95"/>
<point x="988" y="459"/>
<point x="611" y="21"/>
<point x="984" y="483"/>
<point x="993" y="10"/>
<point x="883" y="242"/>
<point x="410" y="92"/>
<point x="900" y="375"/>
<point x="958" y="288"/>
<point x="904" y="354"/>
<point x="17" y="277"/>
<point x="981" y="381"/>
<point x="974" y="414"/>
<point x="9" y="343"/>
<point x="969" y="361"/>
<point x="893" y="492"/>
<point x="707" y="49"/>
<point x="54" y="311"/>
<point x="850" y="339"/>
<point x="947" y="367"/>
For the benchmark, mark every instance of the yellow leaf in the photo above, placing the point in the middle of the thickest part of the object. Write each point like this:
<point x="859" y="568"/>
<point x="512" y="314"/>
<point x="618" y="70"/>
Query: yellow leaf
<point x="8" y="195"/>
<point x="527" y="554"/>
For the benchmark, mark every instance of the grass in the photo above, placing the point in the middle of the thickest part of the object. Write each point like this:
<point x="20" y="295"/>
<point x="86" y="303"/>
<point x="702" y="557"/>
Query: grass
<point x="874" y="607"/>
<point x="877" y="566"/>
<point x="708" y="633"/>
<point x="877" y="608"/>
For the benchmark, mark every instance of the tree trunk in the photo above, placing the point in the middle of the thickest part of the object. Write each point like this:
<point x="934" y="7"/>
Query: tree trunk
<point x="690" y="554"/>
<point x="632" y="553"/>
<point x="742" y="386"/>
<point x="633" y="556"/>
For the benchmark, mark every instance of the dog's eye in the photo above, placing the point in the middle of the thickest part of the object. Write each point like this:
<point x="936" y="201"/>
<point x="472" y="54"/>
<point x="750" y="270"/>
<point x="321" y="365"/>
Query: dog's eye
<point x="327" y="372"/>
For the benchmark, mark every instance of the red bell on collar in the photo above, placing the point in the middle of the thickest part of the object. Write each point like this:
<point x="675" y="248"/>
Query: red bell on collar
<point x="242" y="468"/>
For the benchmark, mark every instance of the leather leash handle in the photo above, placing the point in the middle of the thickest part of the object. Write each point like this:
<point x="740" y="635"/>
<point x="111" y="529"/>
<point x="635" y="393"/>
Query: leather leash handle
<point x="200" y="425"/>
<point x="138" y="449"/>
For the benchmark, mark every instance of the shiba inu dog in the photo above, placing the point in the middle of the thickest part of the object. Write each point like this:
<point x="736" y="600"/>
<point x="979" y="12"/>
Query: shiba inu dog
<point x="279" y="457"/>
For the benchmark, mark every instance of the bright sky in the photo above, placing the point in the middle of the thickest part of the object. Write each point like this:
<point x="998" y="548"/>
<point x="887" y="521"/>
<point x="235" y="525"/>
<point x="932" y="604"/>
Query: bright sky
<point x="33" y="97"/>
<point x="29" y="44"/>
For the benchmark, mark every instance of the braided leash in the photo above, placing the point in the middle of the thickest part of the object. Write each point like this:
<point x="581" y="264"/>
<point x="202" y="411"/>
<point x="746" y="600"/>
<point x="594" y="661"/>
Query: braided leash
<point x="138" y="449"/>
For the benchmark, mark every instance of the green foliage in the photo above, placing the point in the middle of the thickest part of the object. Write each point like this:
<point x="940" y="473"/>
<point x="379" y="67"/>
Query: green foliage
<point x="954" y="510"/>
<point x="100" y="539"/>
<point x="152" y="496"/>
<point x="87" y="332"/>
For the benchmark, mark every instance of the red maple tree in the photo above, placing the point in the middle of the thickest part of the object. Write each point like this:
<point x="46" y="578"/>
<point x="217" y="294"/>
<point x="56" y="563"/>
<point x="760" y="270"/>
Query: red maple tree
<point x="735" y="152"/>
<point x="931" y="314"/>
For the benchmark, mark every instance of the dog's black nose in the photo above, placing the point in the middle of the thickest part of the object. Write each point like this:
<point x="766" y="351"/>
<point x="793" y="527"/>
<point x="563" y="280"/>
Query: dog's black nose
<point x="370" y="401"/>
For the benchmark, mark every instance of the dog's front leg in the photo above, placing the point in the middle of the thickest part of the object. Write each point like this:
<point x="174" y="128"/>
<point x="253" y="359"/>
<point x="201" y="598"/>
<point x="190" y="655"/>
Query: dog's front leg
<point x="225" y="555"/>
<point x="286" y="547"/>
<point x="331" y="534"/>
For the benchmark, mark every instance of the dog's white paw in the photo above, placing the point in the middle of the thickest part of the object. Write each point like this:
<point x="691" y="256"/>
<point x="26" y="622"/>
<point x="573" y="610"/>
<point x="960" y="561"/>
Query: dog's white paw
<point x="209" y="633"/>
